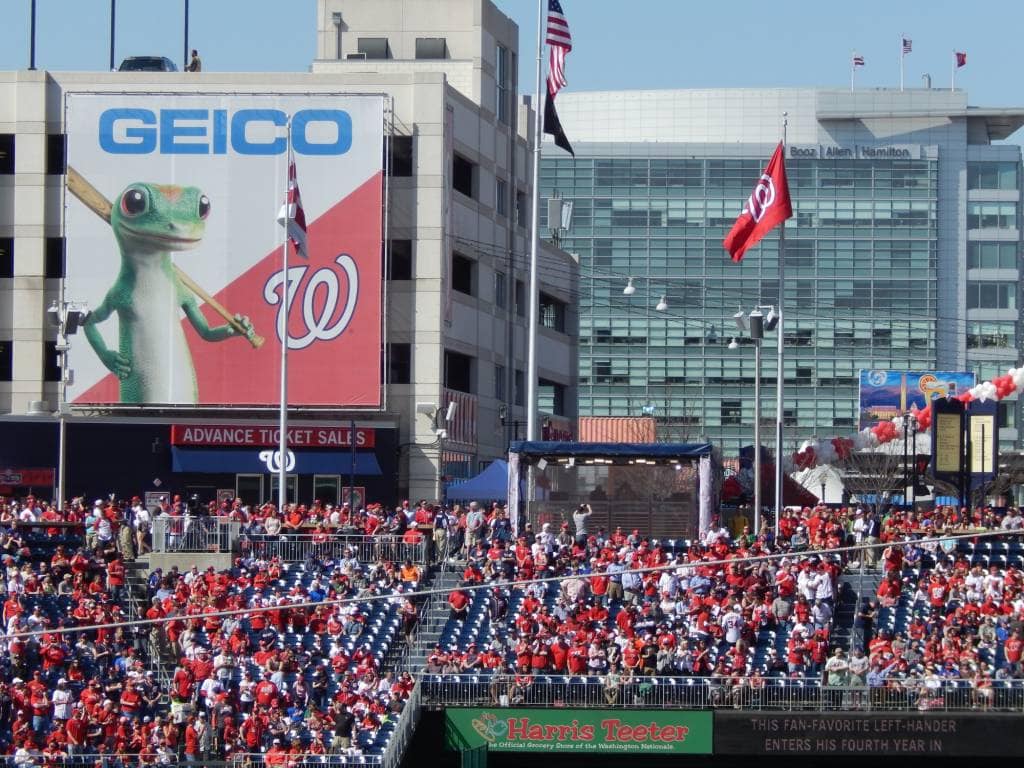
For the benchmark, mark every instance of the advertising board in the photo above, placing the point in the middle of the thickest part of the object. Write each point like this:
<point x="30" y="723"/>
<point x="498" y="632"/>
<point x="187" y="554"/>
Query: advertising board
<point x="887" y="394"/>
<point x="648" y="732"/>
<point x="892" y="734"/>
<point x="174" y="245"/>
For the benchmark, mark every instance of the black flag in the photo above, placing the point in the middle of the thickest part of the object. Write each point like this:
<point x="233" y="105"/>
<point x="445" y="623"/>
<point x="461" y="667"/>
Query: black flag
<point x="553" y="126"/>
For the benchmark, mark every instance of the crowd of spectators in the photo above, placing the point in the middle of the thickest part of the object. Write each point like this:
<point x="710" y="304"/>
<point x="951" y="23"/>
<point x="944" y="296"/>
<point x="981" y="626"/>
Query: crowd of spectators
<point x="714" y="612"/>
<point x="288" y="680"/>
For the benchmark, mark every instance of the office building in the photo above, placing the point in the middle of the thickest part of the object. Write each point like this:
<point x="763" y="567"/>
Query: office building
<point x="454" y="298"/>
<point x="903" y="253"/>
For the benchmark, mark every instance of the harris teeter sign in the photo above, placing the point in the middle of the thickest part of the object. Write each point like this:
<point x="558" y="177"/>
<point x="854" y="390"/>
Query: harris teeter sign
<point x="580" y="730"/>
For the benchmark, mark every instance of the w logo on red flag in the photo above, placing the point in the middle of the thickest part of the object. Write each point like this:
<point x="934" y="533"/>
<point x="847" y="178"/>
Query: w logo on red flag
<point x="766" y="207"/>
<point x="292" y="217"/>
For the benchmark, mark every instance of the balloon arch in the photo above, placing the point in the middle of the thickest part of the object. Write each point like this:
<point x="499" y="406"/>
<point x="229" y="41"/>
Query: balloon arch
<point x="831" y="450"/>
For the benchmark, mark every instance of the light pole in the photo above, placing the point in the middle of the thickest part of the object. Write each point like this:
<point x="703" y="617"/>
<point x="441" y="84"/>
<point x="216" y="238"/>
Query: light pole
<point x="68" y="318"/>
<point x="757" y="326"/>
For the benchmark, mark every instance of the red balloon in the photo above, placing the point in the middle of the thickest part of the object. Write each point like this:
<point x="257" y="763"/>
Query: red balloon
<point x="843" y="446"/>
<point x="924" y="418"/>
<point x="1004" y="386"/>
<point x="965" y="397"/>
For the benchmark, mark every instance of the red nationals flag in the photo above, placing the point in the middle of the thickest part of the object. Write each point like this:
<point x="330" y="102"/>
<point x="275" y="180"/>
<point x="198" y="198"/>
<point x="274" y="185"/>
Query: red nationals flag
<point x="766" y="208"/>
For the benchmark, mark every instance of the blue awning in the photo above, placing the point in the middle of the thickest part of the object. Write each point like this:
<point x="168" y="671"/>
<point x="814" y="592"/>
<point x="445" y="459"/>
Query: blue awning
<point x="247" y="460"/>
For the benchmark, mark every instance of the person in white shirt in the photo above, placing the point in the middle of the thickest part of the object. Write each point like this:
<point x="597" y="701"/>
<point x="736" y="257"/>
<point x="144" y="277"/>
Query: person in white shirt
<point x="209" y="689"/>
<point x="1013" y="520"/>
<point x="732" y="623"/>
<point x="62" y="698"/>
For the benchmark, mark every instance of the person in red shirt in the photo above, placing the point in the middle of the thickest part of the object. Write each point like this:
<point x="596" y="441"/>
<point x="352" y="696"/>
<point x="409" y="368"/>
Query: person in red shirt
<point x="116" y="579"/>
<point x="191" y="741"/>
<point x="266" y="692"/>
<point x="458" y="601"/>
<point x="1012" y="650"/>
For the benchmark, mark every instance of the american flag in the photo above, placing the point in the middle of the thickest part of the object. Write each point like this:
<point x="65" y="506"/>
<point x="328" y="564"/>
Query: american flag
<point x="858" y="60"/>
<point x="292" y="215"/>
<point x="908" y="45"/>
<point x="560" y="41"/>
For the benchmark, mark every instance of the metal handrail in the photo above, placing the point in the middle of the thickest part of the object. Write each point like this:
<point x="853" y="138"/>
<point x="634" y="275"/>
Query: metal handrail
<point x="404" y="730"/>
<point x="679" y="692"/>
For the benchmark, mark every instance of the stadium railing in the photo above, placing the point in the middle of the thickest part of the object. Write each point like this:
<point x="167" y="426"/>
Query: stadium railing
<point x="194" y="534"/>
<point x="806" y="694"/>
<point x="299" y="547"/>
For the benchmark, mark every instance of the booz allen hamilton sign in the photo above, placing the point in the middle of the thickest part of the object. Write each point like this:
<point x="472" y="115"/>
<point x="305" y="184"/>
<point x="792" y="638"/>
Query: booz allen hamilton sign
<point x="856" y="152"/>
<point x="881" y="733"/>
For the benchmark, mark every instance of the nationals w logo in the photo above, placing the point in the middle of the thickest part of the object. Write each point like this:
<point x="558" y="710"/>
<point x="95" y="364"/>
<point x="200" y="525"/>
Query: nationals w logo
<point x="762" y="198"/>
<point x="322" y="316"/>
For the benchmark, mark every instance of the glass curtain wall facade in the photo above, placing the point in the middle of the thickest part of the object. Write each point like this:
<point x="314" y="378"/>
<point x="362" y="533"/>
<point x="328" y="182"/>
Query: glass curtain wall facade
<point x="861" y="256"/>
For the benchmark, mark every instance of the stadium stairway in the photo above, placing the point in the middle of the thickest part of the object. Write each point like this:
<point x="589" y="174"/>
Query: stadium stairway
<point x="853" y="588"/>
<point x="433" y="618"/>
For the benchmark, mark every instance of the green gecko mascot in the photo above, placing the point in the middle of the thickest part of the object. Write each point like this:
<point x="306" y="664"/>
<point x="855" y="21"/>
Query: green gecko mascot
<point x="152" y="360"/>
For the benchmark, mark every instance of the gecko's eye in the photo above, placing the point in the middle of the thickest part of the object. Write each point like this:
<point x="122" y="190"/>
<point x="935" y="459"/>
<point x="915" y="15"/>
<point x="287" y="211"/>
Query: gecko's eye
<point x="204" y="206"/>
<point x="134" y="202"/>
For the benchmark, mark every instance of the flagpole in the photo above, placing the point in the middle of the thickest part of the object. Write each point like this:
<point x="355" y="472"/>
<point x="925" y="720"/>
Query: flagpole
<point x="853" y="68"/>
<point x="952" y="72"/>
<point x="902" y="57"/>
<point x="531" y="354"/>
<point x="780" y="368"/>
<point x="282" y="476"/>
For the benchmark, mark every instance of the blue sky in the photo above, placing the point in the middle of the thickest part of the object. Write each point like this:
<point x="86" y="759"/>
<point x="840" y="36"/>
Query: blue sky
<point x="647" y="44"/>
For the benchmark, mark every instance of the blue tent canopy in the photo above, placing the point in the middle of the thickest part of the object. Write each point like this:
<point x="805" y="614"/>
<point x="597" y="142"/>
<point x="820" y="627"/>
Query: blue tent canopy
<point x="491" y="484"/>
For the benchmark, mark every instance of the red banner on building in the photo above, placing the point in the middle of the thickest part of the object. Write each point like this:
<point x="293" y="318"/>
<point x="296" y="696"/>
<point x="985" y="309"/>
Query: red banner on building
<point x="245" y="436"/>
<point x="26" y="477"/>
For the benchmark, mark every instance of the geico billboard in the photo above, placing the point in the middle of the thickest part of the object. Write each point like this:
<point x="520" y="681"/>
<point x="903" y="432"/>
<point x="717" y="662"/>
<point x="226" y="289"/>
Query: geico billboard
<point x="173" y="243"/>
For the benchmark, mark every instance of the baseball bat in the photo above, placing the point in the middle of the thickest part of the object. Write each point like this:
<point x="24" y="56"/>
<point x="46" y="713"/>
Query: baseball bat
<point x="97" y="202"/>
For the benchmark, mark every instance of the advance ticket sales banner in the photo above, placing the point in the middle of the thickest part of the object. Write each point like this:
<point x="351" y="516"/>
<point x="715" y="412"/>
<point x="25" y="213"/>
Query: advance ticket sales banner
<point x="195" y="183"/>
<point x="610" y="731"/>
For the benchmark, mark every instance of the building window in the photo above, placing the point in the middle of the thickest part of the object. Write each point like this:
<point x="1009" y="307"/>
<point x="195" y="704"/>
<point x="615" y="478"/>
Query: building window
<point x="1006" y="416"/>
<point x="991" y="255"/>
<point x="990" y="295"/>
<point x="401" y="156"/>
<point x="501" y="197"/>
<point x="6" y="257"/>
<point x="400" y="265"/>
<point x="552" y="313"/>
<point x="732" y="412"/>
<point x="520" y="298"/>
<point x="981" y="335"/>
<point x="992" y="175"/>
<point x="51" y="370"/>
<point x="520" y="387"/>
<point x="56" y="144"/>
<point x="499" y="383"/>
<point x="400" y="363"/>
<point x="502" y="81"/>
<point x="500" y="290"/>
<point x="551" y="397"/>
<point x="54" y="257"/>
<point x="522" y="217"/>
<point x="431" y="48"/>
<point x="6" y="154"/>
<point x="458" y="371"/>
<point x="327" y="488"/>
<point x="991" y="215"/>
<point x="462" y="274"/>
<point x="374" y="47"/>
<point x="463" y="175"/>
<point x="6" y="360"/>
